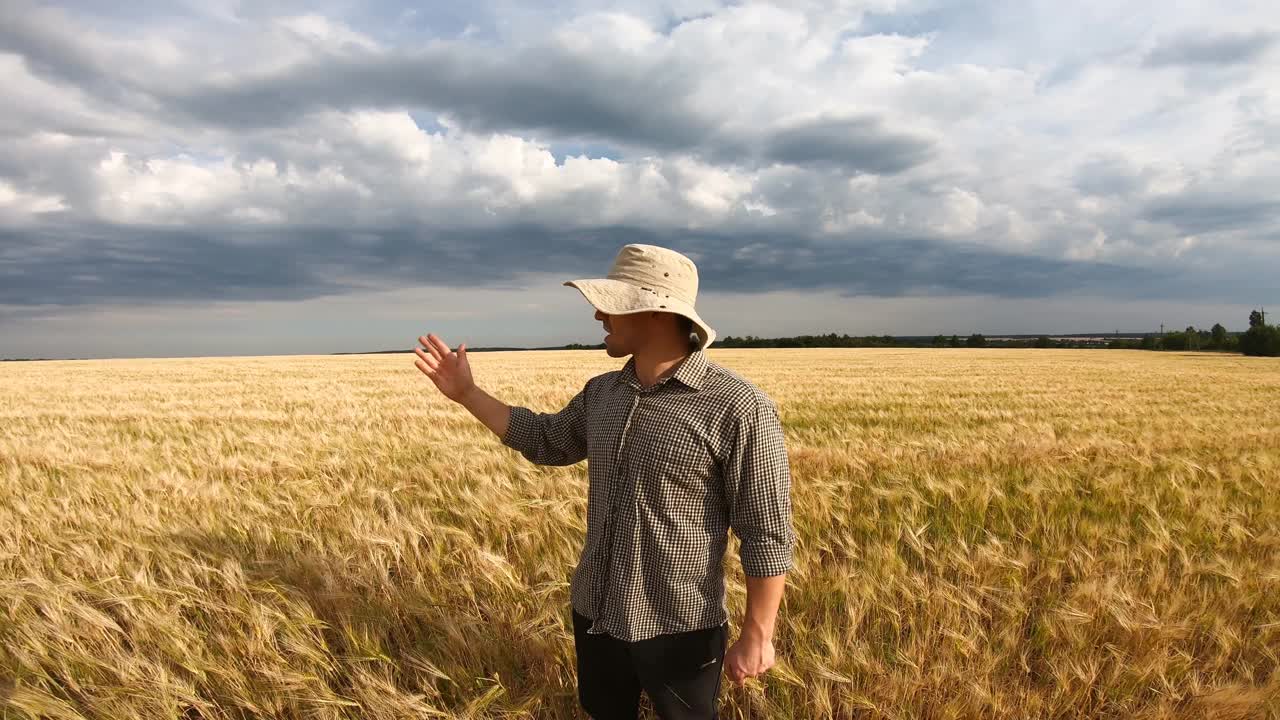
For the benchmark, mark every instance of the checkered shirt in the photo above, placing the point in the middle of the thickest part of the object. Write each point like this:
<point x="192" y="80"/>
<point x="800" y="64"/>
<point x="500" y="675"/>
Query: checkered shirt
<point x="671" y="468"/>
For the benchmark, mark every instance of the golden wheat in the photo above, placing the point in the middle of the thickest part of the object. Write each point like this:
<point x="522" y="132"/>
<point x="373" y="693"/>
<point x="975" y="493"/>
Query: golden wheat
<point x="982" y="533"/>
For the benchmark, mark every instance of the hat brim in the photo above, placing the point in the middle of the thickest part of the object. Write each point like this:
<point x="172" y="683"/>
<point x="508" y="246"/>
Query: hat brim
<point x="614" y="297"/>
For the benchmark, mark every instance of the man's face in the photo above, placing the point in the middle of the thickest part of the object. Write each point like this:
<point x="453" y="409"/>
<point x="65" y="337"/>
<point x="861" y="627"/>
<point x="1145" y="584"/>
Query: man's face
<point x="625" y="333"/>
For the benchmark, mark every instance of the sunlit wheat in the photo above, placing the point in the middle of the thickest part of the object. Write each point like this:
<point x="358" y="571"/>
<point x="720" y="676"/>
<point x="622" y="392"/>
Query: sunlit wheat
<point x="982" y="534"/>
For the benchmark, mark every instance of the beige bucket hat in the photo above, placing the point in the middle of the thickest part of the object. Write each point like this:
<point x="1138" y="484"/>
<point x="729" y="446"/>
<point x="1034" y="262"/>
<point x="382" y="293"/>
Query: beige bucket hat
<point x="645" y="278"/>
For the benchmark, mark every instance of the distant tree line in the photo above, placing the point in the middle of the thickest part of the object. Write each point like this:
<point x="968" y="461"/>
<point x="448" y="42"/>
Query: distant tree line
<point x="975" y="340"/>
<point x="801" y="341"/>
<point x="1215" y="338"/>
<point x="863" y="341"/>
<point x="1260" y="339"/>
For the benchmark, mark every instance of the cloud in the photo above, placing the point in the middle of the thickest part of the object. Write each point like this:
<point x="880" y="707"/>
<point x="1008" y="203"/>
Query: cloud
<point x="1208" y="211"/>
<point x="1108" y="176"/>
<point x="669" y="93"/>
<point x="112" y="265"/>
<point x="96" y="265"/>
<point x="885" y="148"/>
<point x="529" y="91"/>
<point x="859" y="144"/>
<point x="1224" y="49"/>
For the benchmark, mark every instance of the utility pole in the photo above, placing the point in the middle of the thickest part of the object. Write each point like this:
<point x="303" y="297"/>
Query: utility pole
<point x="1162" y="328"/>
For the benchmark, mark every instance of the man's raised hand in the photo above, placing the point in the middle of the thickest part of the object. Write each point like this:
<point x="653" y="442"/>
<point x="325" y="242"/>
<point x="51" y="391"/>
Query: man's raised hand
<point x="449" y="370"/>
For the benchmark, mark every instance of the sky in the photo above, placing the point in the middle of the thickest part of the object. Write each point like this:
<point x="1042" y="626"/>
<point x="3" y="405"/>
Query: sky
<point x="218" y="177"/>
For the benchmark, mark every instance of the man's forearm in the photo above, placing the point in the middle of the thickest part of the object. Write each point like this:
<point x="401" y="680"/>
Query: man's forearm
<point x="489" y="410"/>
<point x="764" y="595"/>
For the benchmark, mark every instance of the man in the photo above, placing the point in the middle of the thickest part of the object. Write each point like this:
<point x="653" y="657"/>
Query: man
<point x="679" y="450"/>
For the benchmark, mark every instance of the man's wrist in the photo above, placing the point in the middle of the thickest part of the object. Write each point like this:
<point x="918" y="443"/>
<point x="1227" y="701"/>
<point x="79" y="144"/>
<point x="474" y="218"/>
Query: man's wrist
<point x="468" y="396"/>
<point x="756" y="629"/>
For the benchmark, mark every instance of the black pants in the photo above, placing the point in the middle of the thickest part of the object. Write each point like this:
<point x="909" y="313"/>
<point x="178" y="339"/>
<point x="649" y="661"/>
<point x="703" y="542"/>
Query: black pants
<point x="681" y="673"/>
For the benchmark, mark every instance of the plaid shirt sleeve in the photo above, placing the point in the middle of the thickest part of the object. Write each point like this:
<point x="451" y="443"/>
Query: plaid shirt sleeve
<point x="757" y="482"/>
<point x="550" y="438"/>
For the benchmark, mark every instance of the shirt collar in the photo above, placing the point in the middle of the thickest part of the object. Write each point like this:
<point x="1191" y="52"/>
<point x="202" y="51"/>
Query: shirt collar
<point x="691" y="372"/>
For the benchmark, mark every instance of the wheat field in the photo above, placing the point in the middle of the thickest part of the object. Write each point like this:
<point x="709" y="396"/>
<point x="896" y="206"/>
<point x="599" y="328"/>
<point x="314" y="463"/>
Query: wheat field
<point x="981" y="534"/>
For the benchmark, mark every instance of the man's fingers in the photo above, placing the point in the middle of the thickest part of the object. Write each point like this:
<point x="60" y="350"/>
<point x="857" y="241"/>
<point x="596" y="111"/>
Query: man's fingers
<point x="423" y="367"/>
<point x="431" y="361"/>
<point x="438" y="349"/>
<point x="439" y="346"/>
<point x="430" y="365"/>
<point x="430" y="346"/>
<point x="422" y="340"/>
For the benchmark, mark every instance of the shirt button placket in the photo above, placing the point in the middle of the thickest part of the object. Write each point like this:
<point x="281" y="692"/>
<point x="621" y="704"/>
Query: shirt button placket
<point x="620" y="466"/>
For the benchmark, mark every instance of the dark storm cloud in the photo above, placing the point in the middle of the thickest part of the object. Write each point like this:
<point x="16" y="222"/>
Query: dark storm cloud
<point x="1226" y="49"/>
<point x="653" y="103"/>
<point x="1108" y="176"/>
<point x="181" y="128"/>
<point x="861" y="143"/>
<point x="542" y="88"/>
<point x="1197" y="212"/>
<point x="47" y="50"/>
<point x="548" y="89"/>
<point x="82" y="266"/>
<point x="110" y="264"/>
<point x="47" y="43"/>
<point x="893" y="266"/>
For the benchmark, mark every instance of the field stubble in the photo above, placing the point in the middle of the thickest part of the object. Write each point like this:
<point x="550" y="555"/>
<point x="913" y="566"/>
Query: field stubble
<point x="981" y="533"/>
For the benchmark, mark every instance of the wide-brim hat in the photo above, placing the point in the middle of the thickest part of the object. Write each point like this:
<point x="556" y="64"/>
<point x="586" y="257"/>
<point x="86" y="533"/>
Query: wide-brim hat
<point x="646" y="278"/>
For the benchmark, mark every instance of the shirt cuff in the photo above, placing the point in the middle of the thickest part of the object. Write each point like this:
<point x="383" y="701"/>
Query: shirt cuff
<point x="521" y="429"/>
<point x="765" y="558"/>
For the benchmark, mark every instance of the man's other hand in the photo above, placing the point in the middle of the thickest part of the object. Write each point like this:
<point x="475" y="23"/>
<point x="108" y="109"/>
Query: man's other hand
<point x="750" y="656"/>
<point x="449" y="370"/>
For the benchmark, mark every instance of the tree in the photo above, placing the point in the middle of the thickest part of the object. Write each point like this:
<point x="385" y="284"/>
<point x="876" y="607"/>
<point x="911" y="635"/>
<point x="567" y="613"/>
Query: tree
<point x="1174" y="341"/>
<point x="939" y="341"/>
<point x="955" y="341"/>
<point x="1219" y="335"/>
<point x="1261" y="338"/>
<point x="976" y="340"/>
<point x="1193" y="338"/>
<point x="1044" y="342"/>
